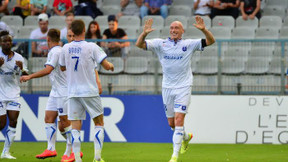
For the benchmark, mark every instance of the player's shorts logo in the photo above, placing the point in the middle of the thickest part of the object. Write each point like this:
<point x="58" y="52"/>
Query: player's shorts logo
<point x="184" y="108"/>
<point x="60" y="110"/>
<point x="184" y="48"/>
<point x="177" y="106"/>
<point x="165" y="107"/>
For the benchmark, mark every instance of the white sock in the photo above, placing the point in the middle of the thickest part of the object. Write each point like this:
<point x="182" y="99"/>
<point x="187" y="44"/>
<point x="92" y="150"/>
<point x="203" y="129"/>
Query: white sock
<point x="9" y="138"/>
<point x="177" y="140"/>
<point x="98" y="141"/>
<point x="51" y="135"/>
<point x="67" y="134"/>
<point x="76" y="143"/>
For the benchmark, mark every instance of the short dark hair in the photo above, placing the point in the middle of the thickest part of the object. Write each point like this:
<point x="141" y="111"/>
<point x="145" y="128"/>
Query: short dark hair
<point x="54" y="35"/>
<point x="69" y="14"/>
<point x="112" y="18"/>
<point x="78" y="27"/>
<point x="4" y="33"/>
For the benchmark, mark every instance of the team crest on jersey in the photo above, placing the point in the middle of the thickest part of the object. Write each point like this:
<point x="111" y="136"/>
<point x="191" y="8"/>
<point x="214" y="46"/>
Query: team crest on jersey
<point x="184" y="48"/>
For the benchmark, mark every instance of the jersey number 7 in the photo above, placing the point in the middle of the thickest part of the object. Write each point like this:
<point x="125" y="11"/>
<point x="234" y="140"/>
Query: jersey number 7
<point x="77" y="61"/>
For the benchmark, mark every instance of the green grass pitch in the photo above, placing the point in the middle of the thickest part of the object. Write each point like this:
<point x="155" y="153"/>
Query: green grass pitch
<point x="156" y="152"/>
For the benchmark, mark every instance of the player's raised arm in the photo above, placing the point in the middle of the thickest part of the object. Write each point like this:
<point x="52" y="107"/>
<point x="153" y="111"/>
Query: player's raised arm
<point x="201" y="26"/>
<point x="146" y="30"/>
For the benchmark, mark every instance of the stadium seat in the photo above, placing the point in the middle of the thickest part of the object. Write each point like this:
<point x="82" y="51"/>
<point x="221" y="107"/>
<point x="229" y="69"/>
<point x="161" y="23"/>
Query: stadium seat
<point x="25" y="31"/>
<point x="31" y="21"/>
<point x="275" y="66"/>
<point x="260" y="52"/>
<point x="111" y="10"/>
<point x="15" y="30"/>
<point x="193" y="32"/>
<point x="247" y="23"/>
<point x="207" y="21"/>
<point x="153" y="65"/>
<point x="183" y="2"/>
<point x="180" y="10"/>
<point x="103" y="22"/>
<point x="221" y="32"/>
<point x="283" y="33"/>
<point x="153" y="35"/>
<point x="285" y="22"/>
<point x="172" y="18"/>
<point x="223" y="21"/>
<point x="86" y="19"/>
<point x="209" y="51"/>
<point x="229" y="83"/>
<point x="111" y="2"/>
<point x="207" y="66"/>
<point x="129" y="22"/>
<point x="257" y="66"/>
<point x="243" y="33"/>
<point x="118" y="66"/>
<point x="13" y="20"/>
<point x="57" y="21"/>
<point x="131" y="33"/>
<point x="37" y="63"/>
<point x="41" y="85"/>
<point x="233" y="66"/>
<point x="271" y="22"/>
<point x="267" y="33"/>
<point x="165" y="32"/>
<point x="136" y="51"/>
<point x="274" y="11"/>
<point x="280" y="3"/>
<point x="206" y="84"/>
<point x="266" y="84"/>
<point x="158" y="21"/>
<point x="237" y="53"/>
<point x="136" y="65"/>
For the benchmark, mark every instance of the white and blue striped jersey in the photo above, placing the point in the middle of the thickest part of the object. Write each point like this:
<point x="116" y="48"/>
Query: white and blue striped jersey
<point x="80" y="58"/>
<point x="57" y="77"/>
<point x="175" y="58"/>
<point x="9" y="77"/>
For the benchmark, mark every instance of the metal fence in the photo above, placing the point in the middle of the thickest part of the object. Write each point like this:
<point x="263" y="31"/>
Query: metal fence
<point x="227" y="67"/>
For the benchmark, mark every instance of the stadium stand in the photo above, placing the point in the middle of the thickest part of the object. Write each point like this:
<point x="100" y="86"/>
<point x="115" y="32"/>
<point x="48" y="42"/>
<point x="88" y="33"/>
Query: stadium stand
<point x="202" y="67"/>
<point x="12" y="20"/>
<point x="136" y="65"/>
<point x="118" y="66"/>
<point x="172" y="18"/>
<point x="57" y="22"/>
<point x="158" y="22"/>
<point x="180" y="10"/>
<point x="247" y="23"/>
<point x="207" y="21"/>
<point x="233" y="66"/>
<point x="129" y="22"/>
<point x="257" y="66"/>
<point x="223" y="21"/>
<point x="271" y="21"/>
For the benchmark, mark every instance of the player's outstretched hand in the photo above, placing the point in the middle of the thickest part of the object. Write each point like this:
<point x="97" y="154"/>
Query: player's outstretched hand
<point x="19" y="64"/>
<point x="1" y="61"/>
<point x="199" y="23"/>
<point x="25" y="78"/>
<point x="148" y="26"/>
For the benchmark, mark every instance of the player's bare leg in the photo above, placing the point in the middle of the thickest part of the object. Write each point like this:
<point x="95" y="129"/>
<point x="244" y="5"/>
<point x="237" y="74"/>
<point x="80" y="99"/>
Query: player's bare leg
<point x="99" y="137"/>
<point x="76" y="142"/>
<point x="10" y="133"/>
<point x="3" y="121"/>
<point x="50" y="128"/>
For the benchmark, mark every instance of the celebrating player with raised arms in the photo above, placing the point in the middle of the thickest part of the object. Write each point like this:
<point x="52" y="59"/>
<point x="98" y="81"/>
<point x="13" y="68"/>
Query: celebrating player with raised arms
<point x="11" y="67"/>
<point x="78" y="59"/>
<point x="175" y="55"/>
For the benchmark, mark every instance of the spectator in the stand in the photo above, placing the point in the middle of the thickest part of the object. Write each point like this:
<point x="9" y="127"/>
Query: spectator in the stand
<point x="40" y="49"/>
<point x="4" y="26"/>
<point x="250" y="9"/>
<point x="22" y="8"/>
<point x="130" y="7"/>
<point x="38" y="6"/>
<point x="226" y="7"/>
<point x="61" y="7"/>
<point x="203" y="7"/>
<point x="154" y="7"/>
<point x="88" y="7"/>
<point x="4" y="7"/>
<point x="115" y="49"/>
<point x="69" y="18"/>
<point x="93" y="31"/>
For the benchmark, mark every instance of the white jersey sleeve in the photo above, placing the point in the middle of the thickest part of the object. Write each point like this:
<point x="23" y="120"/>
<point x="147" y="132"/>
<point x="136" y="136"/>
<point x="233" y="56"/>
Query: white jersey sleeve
<point x="195" y="45"/>
<point x="52" y="60"/>
<point x="153" y="45"/>
<point x="98" y="54"/>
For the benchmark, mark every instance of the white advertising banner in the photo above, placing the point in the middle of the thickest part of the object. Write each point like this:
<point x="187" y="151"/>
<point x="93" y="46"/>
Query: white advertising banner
<point x="238" y="119"/>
